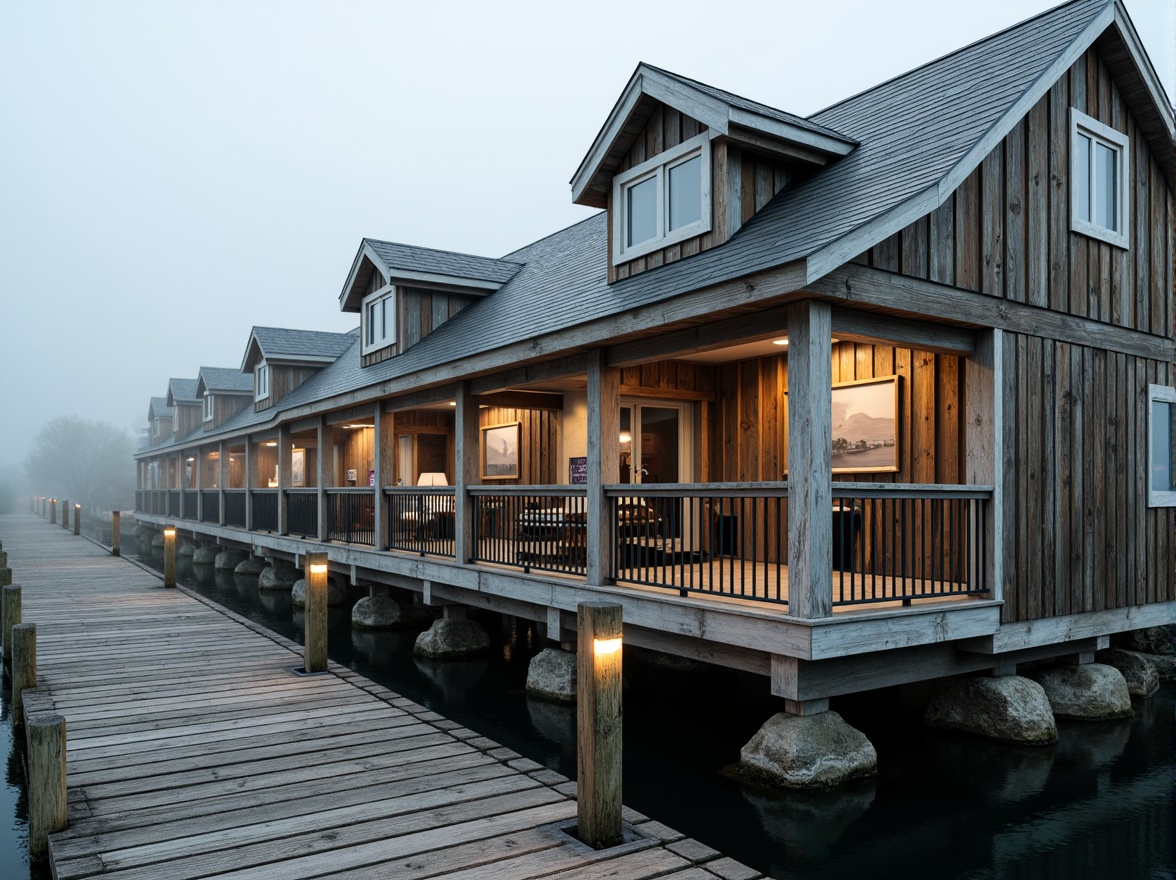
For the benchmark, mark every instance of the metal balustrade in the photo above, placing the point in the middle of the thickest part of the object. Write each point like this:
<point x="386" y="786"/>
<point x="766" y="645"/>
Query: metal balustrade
<point x="351" y="516"/>
<point x="541" y="528"/>
<point x="235" y="508"/>
<point x="265" y="509"/>
<point x="421" y="520"/>
<point x="301" y="512"/>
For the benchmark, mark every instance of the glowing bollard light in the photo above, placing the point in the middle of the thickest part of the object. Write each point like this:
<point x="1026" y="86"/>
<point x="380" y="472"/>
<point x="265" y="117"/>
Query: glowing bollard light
<point x="115" y="537"/>
<point x="52" y="511"/>
<point x="598" y="723"/>
<point x="169" y="556"/>
<point x="77" y="519"/>
<point x="314" y="657"/>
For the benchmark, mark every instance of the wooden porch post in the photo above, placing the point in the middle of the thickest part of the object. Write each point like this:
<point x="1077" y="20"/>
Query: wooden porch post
<point x="248" y="481"/>
<point x="984" y="421"/>
<point x="320" y="478"/>
<point x="284" y="459"/>
<point x="198" y="483"/>
<point x="378" y="541"/>
<point x="810" y="479"/>
<point x="222" y="476"/>
<point x="604" y="461"/>
<point x="465" y="468"/>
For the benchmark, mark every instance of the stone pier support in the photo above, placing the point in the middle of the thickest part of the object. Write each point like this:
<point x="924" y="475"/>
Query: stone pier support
<point x="452" y="636"/>
<point x="552" y="675"/>
<point x="814" y="750"/>
<point x="1005" y="707"/>
<point x="1086" y="692"/>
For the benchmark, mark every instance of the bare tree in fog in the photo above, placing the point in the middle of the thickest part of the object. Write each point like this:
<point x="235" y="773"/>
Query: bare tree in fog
<point x="84" y="460"/>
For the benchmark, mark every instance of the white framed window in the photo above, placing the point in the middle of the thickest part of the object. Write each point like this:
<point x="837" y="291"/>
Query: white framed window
<point x="1100" y="172"/>
<point x="261" y="382"/>
<point x="176" y="419"/>
<point x="1161" y="446"/>
<point x="208" y="408"/>
<point x="662" y="201"/>
<point x="379" y="319"/>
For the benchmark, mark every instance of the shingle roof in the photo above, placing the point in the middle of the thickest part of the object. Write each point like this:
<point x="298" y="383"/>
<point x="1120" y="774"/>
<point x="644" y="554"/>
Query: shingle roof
<point x="225" y="380"/>
<point x="282" y="342"/>
<point x="159" y="409"/>
<point x="435" y="262"/>
<point x="182" y="391"/>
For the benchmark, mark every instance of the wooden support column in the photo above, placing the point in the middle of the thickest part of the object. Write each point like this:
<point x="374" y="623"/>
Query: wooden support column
<point x="378" y="539"/>
<point x="466" y="472"/>
<point x="47" y="805"/>
<point x="52" y="511"/>
<point x="65" y="514"/>
<point x="198" y="483"/>
<point x="810" y="480"/>
<point x="604" y="462"/>
<point x="284" y="475"/>
<point x="115" y="533"/>
<point x="314" y="658"/>
<point x="984" y="426"/>
<point x="9" y="617"/>
<point x="169" y="556"/>
<point x="321" y="478"/>
<point x="77" y="519"/>
<point x="24" y="666"/>
<point x="598" y="723"/>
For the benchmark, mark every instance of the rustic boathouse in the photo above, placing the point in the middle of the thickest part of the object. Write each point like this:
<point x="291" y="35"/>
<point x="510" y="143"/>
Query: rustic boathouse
<point x="853" y="400"/>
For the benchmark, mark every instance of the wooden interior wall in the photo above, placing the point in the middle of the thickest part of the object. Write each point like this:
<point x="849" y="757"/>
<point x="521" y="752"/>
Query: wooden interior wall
<point x="427" y="454"/>
<point x="1006" y="230"/>
<point x="236" y="468"/>
<point x="308" y="442"/>
<point x="1079" y="535"/>
<point x="351" y="448"/>
<point x="209" y="470"/>
<point x="539" y="438"/>
<point x="266" y="458"/>
<point x="741" y="183"/>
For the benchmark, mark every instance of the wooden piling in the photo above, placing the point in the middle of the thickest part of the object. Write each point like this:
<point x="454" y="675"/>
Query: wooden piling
<point x="46" y="748"/>
<point x="52" y="511"/>
<point x="9" y="617"/>
<point x="115" y="537"/>
<point x="169" y="556"/>
<point x="5" y="576"/>
<point x="77" y="519"/>
<point x="65" y="514"/>
<point x="3" y="558"/>
<point x="315" y="653"/>
<point x="598" y="723"/>
<point x="24" y="666"/>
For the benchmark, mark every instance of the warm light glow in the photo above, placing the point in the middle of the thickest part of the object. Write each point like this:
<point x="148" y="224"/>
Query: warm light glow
<point x="602" y="647"/>
<point x="77" y="507"/>
<point x="453" y="403"/>
<point x="169" y="533"/>
<point x="190" y="460"/>
<point x="779" y="342"/>
<point x="626" y="437"/>
<point x="318" y="568"/>
<point x="271" y="443"/>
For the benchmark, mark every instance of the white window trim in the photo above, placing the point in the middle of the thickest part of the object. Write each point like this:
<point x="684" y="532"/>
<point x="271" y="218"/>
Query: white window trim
<point x="1119" y="142"/>
<point x="657" y="167"/>
<point x="261" y="382"/>
<point x="176" y="419"/>
<point x="1161" y="394"/>
<point x="388" y="291"/>
<point x="209" y="410"/>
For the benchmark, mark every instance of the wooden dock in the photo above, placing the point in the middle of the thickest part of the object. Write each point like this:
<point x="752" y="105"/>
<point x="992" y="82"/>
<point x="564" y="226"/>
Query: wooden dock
<point x="195" y="751"/>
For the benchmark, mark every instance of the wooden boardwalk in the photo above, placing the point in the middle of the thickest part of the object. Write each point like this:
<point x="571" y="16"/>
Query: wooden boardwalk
<point x="194" y="751"/>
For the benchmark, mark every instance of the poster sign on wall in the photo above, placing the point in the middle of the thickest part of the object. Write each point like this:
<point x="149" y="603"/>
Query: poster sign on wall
<point x="578" y="470"/>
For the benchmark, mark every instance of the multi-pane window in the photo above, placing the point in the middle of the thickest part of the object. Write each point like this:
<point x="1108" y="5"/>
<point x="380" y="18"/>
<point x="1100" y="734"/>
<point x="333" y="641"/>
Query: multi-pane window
<point x="1161" y="445"/>
<point x="379" y="319"/>
<point x="261" y="379"/>
<point x="662" y="201"/>
<point x="1099" y="172"/>
<point x="208" y="409"/>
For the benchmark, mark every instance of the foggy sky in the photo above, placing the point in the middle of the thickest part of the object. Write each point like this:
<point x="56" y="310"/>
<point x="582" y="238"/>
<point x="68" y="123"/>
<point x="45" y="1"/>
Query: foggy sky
<point x="172" y="173"/>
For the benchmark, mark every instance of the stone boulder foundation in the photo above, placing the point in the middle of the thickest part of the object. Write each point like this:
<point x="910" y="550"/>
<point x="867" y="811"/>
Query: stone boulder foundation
<point x="1008" y="708"/>
<point x="336" y="593"/>
<point x="1091" y="692"/>
<point x="1140" y="673"/>
<point x="809" y="751"/>
<point x="450" y="637"/>
<point x="552" y="676"/>
<point x="252" y="565"/>
<point x="278" y="577"/>
<point x="185" y="551"/>
<point x="380" y="612"/>
<point x="157" y="541"/>
<point x="227" y="560"/>
<point x="205" y="555"/>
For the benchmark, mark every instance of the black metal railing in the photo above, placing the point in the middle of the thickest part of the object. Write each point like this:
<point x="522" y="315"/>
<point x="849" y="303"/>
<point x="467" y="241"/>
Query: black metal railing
<point x="174" y="503"/>
<point x="532" y="527"/>
<point x="301" y="512"/>
<point x="190" y="503"/>
<point x="421" y="520"/>
<point x="351" y="516"/>
<point x="140" y="496"/>
<point x="265" y="510"/>
<point x="235" y="508"/>
<point x="210" y="504"/>
<point x="159" y="502"/>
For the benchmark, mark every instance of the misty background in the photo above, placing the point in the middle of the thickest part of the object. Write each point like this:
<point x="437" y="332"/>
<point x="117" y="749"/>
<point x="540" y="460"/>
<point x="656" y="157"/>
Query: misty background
<point x="172" y="174"/>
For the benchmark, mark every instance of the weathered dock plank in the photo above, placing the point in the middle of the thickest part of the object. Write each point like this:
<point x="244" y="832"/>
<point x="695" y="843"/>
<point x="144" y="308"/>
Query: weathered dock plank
<point x="194" y="751"/>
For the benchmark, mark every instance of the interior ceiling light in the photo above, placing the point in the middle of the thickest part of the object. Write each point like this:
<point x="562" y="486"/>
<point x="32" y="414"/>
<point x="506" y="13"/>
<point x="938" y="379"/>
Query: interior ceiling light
<point x="779" y="341"/>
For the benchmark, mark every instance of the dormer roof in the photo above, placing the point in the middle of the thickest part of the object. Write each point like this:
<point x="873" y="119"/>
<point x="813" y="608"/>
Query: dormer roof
<point x="158" y="409"/>
<point x="181" y="391"/>
<point x="422" y="267"/>
<point x="725" y="114"/>
<point x="223" y="380"/>
<point x="281" y="345"/>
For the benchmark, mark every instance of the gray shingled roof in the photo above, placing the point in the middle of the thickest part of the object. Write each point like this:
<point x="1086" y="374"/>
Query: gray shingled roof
<point x="158" y="409"/>
<point x="281" y="342"/>
<point x="409" y="258"/>
<point x="182" y="391"/>
<point x="226" y="380"/>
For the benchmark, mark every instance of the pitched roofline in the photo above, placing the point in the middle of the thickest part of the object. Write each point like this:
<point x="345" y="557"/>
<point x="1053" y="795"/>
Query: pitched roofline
<point x="845" y="248"/>
<point x="1143" y="63"/>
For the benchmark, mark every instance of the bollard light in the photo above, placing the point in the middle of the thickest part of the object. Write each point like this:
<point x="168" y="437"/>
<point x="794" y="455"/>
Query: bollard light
<point x="314" y="658"/>
<point x="65" y="514"/>
<point x="115" y="537"/>
<point x="77" y="519"/>
<point x="598" y="723"/>
<point x="52" y="511"/>
<point x="169" y="556"/>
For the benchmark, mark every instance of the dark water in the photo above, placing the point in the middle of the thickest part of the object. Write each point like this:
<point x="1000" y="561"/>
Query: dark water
<point x="1099" y="805"/>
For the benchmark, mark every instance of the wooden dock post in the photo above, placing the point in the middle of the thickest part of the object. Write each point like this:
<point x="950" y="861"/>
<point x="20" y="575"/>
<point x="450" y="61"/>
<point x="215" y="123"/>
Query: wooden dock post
<point x="598" y="723"/>
<point x="314" y="658"/>
<point x="115" y="537"/>
<point x="65" y="514"/>
<point x="5" y="576"/>
<point x="24" y="666"/>
<point x="52" y="511"/>
<point x="46" y="748"/>
<point x="77" y="519"/>
<point x="169" y="556"/>
<point x="9" y="617"/>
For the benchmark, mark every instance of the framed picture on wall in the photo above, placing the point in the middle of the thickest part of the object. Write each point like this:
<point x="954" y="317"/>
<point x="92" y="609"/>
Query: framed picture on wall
<point x="500" y="452"/>
<point x="298" y="468"/>
<point x="865" y="426"/>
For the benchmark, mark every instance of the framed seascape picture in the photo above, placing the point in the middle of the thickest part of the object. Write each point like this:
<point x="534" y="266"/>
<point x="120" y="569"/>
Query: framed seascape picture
<point x="298" y="467"/>
<point x="500" y="452"/>
<point x="865" y="426"/>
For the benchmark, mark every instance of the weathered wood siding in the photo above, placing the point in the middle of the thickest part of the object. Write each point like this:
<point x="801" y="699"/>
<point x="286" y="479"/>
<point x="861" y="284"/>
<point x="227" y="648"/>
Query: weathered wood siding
<point x="224" y="407"/>
<point x="1079" y="535"/>
<point x="283" y="380"/>
<point x="1006" y="230"/>
<point x="741" y="183"/>
<point x="352" y="448"/>
<point x="419" y="312"/>
<point x="187" y="418"/>
<point x="429" y="455"/>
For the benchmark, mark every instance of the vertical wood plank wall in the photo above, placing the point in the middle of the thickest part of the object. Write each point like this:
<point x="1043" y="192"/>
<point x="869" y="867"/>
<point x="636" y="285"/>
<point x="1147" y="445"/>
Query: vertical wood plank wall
<point x="283" y="380"/>
<point x="539" y="440"/>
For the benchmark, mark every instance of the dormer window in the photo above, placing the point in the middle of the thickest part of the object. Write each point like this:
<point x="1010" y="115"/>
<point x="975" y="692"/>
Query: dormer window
<point x="261" y="382"/>
<point x="175" y="419"/>
<point x="1099" y="173"/>
<point x="662" y="201"/>
<point x="379" y="319"/>
<point x="208" y="408"/>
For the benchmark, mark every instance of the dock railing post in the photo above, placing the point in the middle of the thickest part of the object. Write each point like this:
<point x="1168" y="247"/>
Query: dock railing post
<point x="45" y="737"/>
<point x="24" y="667"/>
<point x="315" y="653"/>
<point x="9" y="617"/>
<point x="598" y="723"/>
<point x="65" y="514"/>
<point x="115" y="537"/>
<point x="52" y="511"/>
<point x="77" y="519"/>
<point x="169" y="556"/>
